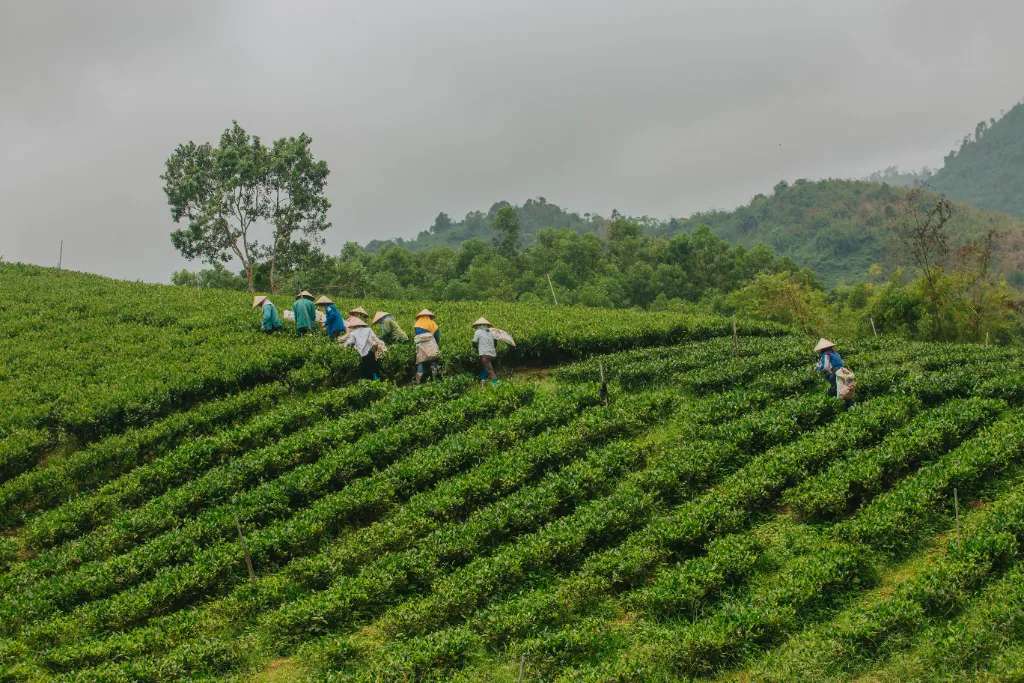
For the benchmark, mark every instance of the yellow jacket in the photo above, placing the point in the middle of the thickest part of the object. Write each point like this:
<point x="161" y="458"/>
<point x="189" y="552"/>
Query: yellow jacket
<point x="427" y="323"/>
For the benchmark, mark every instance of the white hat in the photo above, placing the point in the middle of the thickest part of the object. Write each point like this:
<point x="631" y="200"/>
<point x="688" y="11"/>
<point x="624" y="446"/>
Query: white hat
<point x="305" y="294"/>
<point x="822" y="345"/>
<point x="425" y="312"/>
<point x="482" y="321"/>
<point x="355" y="322"/>
<point x="379" y="315"/>
<point x="323" y="301"/>
<point x="358" y="310"/>
<point x="258" y="299"/>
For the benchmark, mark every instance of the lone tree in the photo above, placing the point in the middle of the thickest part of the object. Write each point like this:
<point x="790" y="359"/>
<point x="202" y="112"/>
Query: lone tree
<point x="922" y="229"/>
<point x="224" y="191"/>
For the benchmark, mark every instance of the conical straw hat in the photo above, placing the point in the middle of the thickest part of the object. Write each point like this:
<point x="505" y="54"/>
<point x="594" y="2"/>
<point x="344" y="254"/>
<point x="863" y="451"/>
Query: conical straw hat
<point x="822" y="345"/>
<point x="304" y="293"/>
<point x="358" y="310"/>
<point x="379" y="315"/>
<point x="258" y="299"/>
<point x="425" y="312"/>
<point x="482" y="321"/>
<point x="323" y="301"/>
<point x="355" y="322"/>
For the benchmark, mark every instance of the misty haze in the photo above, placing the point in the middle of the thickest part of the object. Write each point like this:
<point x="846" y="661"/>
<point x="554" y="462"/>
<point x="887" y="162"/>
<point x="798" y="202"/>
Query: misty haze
<point x="589" y="342"/>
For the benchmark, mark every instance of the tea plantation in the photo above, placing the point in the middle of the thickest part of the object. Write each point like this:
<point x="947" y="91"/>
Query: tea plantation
<point x="185" y="498"/>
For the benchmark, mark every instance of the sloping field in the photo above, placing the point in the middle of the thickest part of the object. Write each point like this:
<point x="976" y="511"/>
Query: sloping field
<point x="718" y="517"/>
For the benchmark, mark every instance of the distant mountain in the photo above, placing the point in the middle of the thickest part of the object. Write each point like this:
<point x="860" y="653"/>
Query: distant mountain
<point x="988" y="169"/>
<point x="534" y="215"/>
<point x="840" y="228"/>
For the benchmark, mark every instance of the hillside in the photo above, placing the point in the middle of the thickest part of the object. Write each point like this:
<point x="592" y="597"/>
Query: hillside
<point x="717" y="516"/>
<point x="988" y="169"/>
<point x="534" y="215"/>
<point x="839" y="228"/>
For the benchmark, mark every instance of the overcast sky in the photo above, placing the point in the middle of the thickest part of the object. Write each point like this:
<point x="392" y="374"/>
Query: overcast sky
<point x="419" y="106"/>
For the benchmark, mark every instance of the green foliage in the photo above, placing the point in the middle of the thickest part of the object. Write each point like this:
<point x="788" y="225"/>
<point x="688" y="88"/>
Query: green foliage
<point x="225" y="192"/>
<point x="841" y="228"/>
<point x="988" y="168"/>
<point x="783" y="298"/>
<point x="653" y="531"/>
<point x="506" y="232"/>
<point x="628" y="269"/>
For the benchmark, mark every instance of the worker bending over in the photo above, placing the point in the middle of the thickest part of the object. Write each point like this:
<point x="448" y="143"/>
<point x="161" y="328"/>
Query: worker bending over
<point x="271" y="321"/>
<point x="366" y="343"/>
<point x="334" y="326"/>
<point x="388" y="328"/>
<point x="305" y="313"/>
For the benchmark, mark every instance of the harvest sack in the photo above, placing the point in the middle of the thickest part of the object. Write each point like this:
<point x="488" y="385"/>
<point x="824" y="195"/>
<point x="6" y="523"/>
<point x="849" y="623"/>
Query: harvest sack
<point x="503" y="336"/>
<point x="380" y="349"/>
<point x="426" y="348"/>
<point x="288" y="315"/>
<point x="846" y="384"/>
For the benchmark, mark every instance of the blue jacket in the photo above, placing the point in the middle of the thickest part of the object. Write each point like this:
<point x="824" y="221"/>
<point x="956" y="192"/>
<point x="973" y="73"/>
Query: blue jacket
<point x="271" y="320"/>
<point x="834" y="359"/>
<point x="333" y="322"/>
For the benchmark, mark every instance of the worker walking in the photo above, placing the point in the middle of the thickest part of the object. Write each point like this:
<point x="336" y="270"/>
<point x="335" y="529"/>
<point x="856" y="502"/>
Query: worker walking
<point x="361" y="338"/>
<point x="333" y="324"/>
<point x="829" y="363"/>
<point x="388" y="328"/>
<point x="486" y="348"/>
<point x="305" y="313"/>
<point x="428" y="345"/>
<point x="271" y="321"/>
<point x="359" y="312"/>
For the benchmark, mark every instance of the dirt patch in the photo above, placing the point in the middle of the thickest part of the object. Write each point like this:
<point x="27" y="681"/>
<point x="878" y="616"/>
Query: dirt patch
<point x="530" y="373"/>
<point x="279" y="671"/>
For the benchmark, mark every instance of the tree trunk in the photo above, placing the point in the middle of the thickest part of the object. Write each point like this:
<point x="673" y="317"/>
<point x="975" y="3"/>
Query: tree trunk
<point x="249" y="277"/>
<point x="273" y="272"/>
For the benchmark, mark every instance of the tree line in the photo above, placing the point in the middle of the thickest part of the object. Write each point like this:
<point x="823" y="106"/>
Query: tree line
<point x="939" y="288"/>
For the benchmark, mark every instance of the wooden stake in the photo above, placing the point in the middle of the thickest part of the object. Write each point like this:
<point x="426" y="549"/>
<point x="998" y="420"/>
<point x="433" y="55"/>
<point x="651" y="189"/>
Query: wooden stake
<point x="603" y="394"/>
<point x="873" y="328"/>
<point x="553" y="297"/>
<point x="60" y="255"/>
<point x="986" y="339"/>
<point x="522" y="669"/>
<point x="956" y="513"/>
<point x="245" y="550"/>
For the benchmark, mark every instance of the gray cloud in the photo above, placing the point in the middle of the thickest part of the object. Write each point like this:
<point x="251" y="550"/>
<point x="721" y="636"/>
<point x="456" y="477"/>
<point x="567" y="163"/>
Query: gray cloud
<point x="662" y="108"/>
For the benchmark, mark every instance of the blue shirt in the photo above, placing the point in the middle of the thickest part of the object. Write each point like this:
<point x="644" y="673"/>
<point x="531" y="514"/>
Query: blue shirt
<point x="834" y="359"/>
<point x="333" y="322"/>
<point x="271" y="320"/>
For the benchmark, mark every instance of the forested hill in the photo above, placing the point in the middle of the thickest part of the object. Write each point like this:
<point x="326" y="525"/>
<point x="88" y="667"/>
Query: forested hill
<point x="988" y="169"/>
<point x="840" y="228"/>
<point x="837" y="228"/>
<point x="534" y="215"/>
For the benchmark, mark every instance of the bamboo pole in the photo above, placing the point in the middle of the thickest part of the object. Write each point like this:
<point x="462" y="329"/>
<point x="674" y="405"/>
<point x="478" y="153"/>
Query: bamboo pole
<point x="553" y="297"/>
<point x="245" y="550"/>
